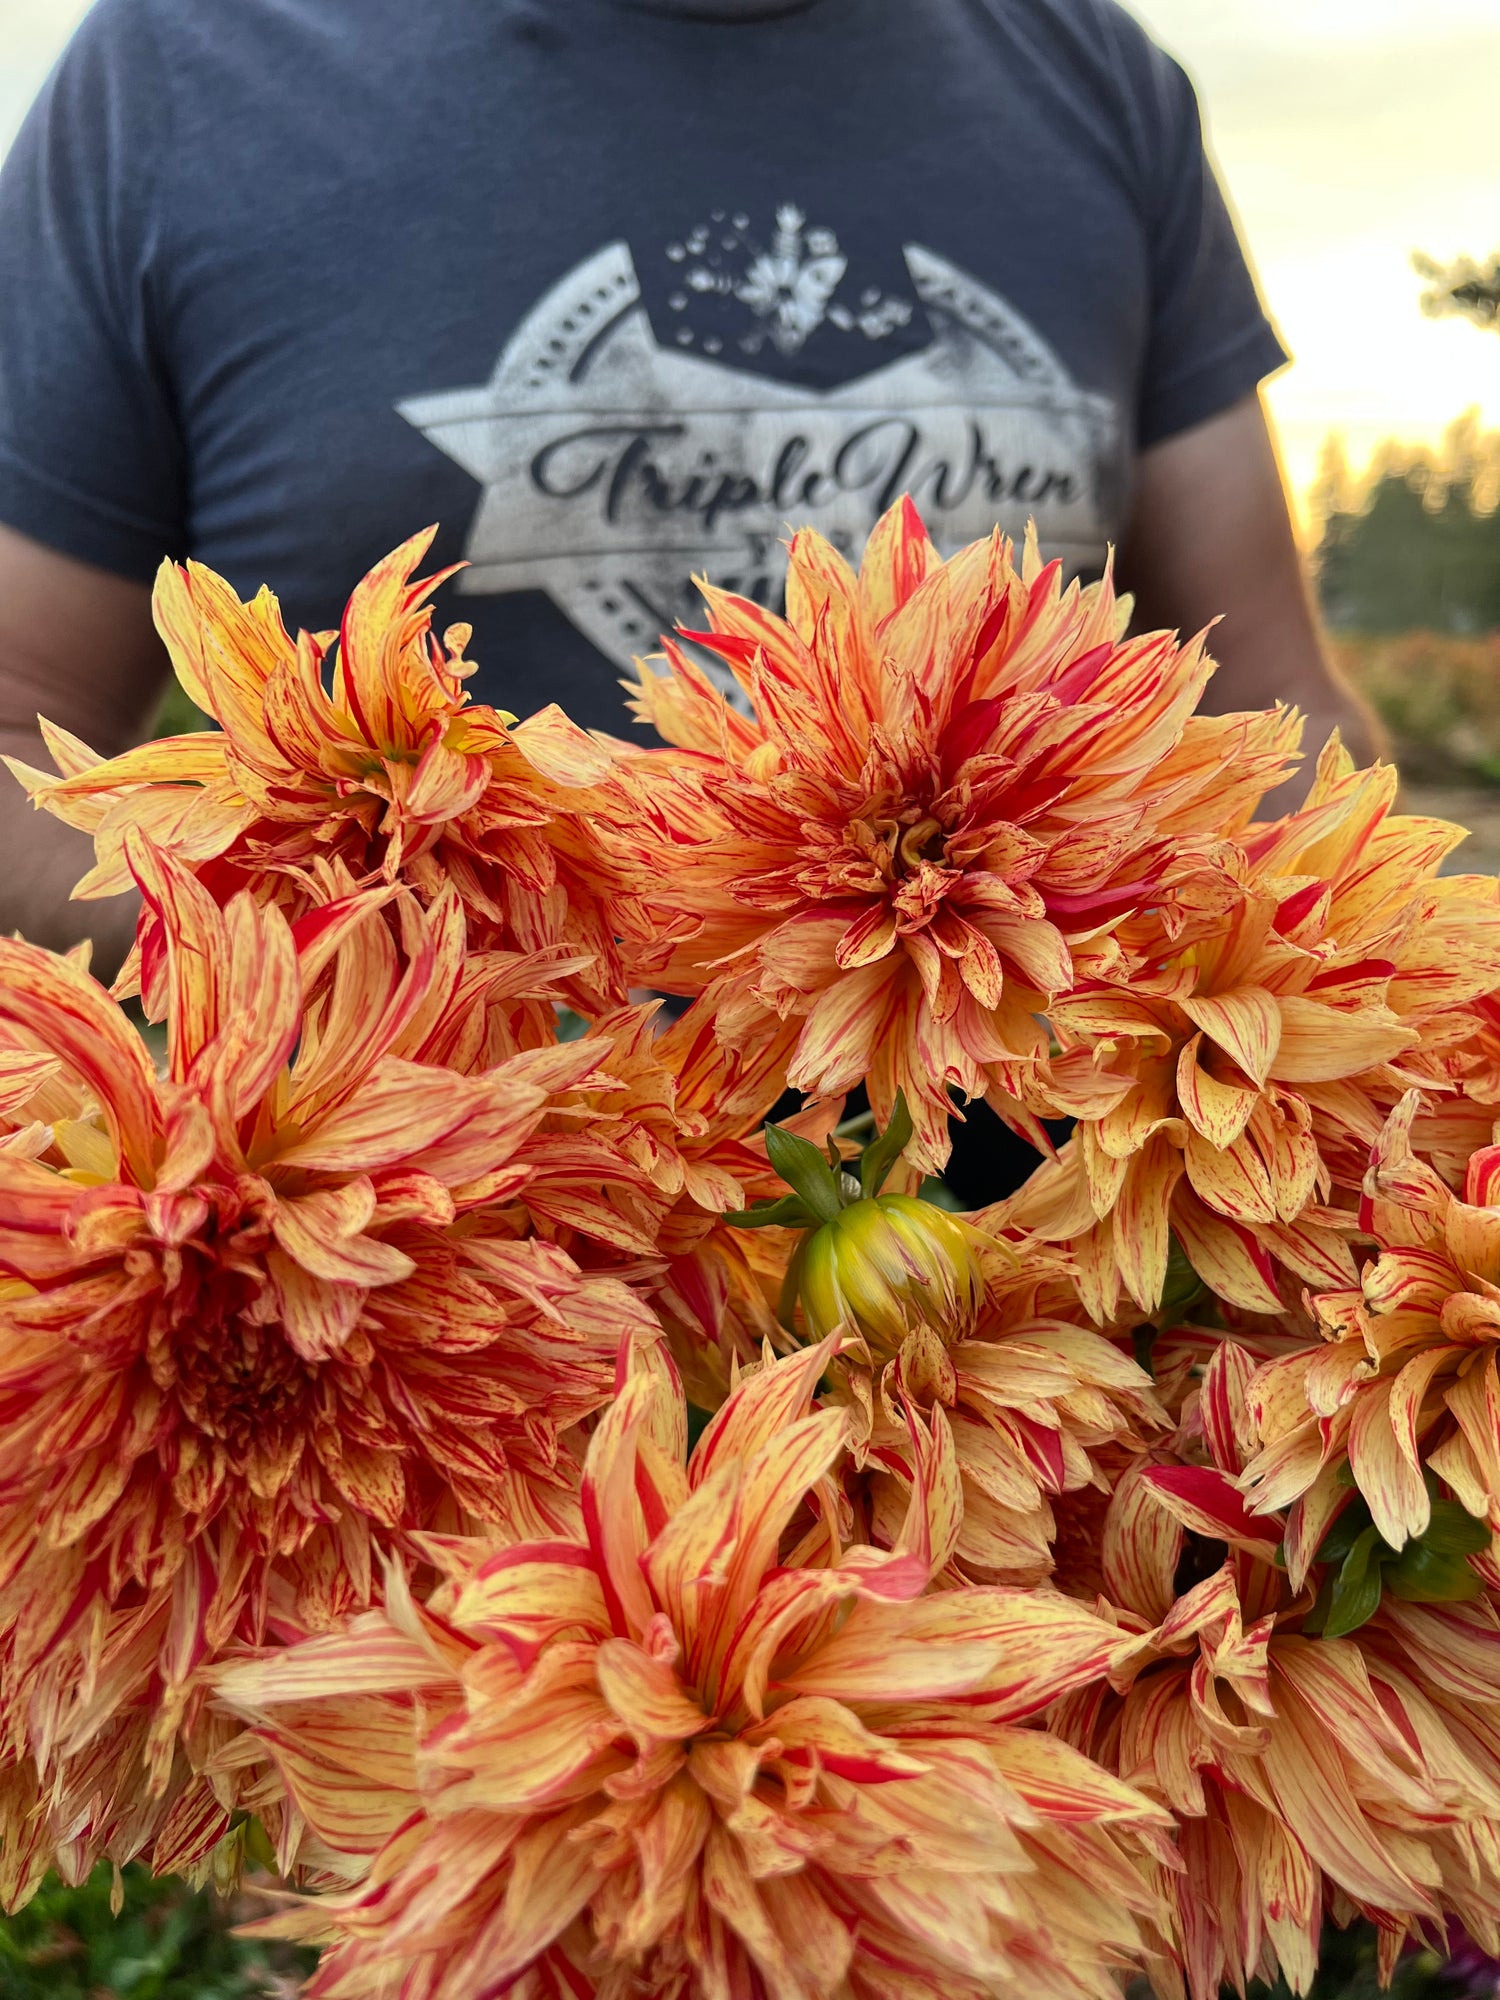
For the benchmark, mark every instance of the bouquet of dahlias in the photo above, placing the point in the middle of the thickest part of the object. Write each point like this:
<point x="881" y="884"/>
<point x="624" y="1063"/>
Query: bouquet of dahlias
<point x="550" y="1477"/>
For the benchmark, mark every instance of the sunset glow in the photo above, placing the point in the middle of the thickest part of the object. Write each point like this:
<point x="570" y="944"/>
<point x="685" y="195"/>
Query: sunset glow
<point x="1350" y="133"/>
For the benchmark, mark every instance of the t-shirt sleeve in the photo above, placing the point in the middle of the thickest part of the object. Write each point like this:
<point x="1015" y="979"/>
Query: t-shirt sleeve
<point x="90" y="455"/>
<point x="1210" y="339"/>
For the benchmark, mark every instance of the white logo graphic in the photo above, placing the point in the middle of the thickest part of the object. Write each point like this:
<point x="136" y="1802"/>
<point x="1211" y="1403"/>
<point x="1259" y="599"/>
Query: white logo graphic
<point x="614" y="467"/>
<point x="789" y="287"/>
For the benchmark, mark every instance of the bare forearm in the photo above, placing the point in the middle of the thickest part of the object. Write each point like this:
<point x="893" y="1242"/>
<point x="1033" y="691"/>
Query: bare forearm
<point x="1211" y="542"/>
<point x="1278" y="655"/>
<point x="76" y="645"/>
<point x="1269" y="647"/>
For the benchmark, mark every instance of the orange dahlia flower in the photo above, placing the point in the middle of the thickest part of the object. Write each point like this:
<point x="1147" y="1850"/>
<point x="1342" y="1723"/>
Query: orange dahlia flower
<point x="390" y="769"/>
<point x="1403" y="1389"/>
<point x="647" y="1151"/>
<point x="1252" y="1064"/>
<point x="1309" y="1776"/>
<point x="1039" y="1404"/>
<point x="952" y="775"/>
<point x="705" y="1750"/>
<point x="245" y="1339"/>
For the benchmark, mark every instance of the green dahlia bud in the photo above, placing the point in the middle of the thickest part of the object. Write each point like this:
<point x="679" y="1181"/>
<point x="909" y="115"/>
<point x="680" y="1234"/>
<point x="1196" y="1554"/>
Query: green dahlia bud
<point x="876" y="1264"/>
<point x="886" y="1265"/>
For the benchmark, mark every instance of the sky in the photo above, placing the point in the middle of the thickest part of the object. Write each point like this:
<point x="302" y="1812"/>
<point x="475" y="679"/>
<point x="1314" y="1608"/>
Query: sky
<point x="1348" y="133"/>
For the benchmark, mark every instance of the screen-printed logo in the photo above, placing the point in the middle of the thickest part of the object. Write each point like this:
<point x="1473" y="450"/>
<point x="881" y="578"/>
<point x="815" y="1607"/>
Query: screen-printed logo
<point x="615" y="464"/>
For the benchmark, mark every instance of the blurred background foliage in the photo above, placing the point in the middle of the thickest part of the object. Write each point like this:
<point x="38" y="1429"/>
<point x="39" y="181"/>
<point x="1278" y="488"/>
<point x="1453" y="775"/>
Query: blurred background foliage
<point x="1464" y="289"/>
<point x="168" y="1942"/>
<point x="1405" y="560"/>
<point x="1414" y="543"/>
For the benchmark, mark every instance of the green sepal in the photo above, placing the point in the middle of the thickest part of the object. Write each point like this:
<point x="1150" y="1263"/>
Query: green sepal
<point x="883" y="1151"/>
<point x="1356" y="1593"/>
<point x="790" y="1211"/>
<point x="803" y="1167"/>
<point x="258" y="1846"/>
<point x="1424" y="1575"/>
<point x="791" y="1285"/>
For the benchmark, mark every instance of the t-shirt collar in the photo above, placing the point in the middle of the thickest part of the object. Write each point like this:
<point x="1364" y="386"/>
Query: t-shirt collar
<point x="718" y="10"/>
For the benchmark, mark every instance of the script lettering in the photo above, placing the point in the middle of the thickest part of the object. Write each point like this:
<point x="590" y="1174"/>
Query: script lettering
<point x="640" y="468"/>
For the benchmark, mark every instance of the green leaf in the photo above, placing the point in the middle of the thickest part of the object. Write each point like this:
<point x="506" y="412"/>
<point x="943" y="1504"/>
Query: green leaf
<point x="1142" y="1340"/>
<point x="802" y="1166"/>
<point x="789" y="1212"/>
<point x="1317" y="1618"/>
<point x="882" y="1153"/>
<point x="1453" y="1531"/>
<point x="1182" y="1288"/>
<point x="1356" y="1593"/>
<point x="1422" y="1575"/>
<point x="1344" y="1532"/>
<point x="791" y="1285"/>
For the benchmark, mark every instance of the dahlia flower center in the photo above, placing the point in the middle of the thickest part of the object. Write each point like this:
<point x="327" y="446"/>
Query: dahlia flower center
<point x="925" y="841"/>
<point x="230" y="1378"/>
<point x="215" y="1345"/>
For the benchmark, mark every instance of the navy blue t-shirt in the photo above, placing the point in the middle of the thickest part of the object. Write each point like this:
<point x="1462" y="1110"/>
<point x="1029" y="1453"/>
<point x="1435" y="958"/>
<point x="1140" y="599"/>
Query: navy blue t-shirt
<point x="614" y="293"/>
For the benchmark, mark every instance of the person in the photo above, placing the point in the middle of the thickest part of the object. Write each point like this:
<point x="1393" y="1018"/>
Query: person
<point x="615" y="291"/>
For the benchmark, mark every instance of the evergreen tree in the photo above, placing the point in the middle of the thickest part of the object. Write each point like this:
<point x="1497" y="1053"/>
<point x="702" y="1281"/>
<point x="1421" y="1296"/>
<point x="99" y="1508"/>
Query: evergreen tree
<point x="1415" y="545"/>
<point x="1462" y="287"/>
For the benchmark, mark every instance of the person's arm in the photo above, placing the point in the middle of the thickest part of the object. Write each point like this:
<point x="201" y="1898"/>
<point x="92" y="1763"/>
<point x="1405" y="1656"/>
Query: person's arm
<point x="76" y="645"/>
<point x="1210" y="536"/>
<point x="93" y="459"/>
